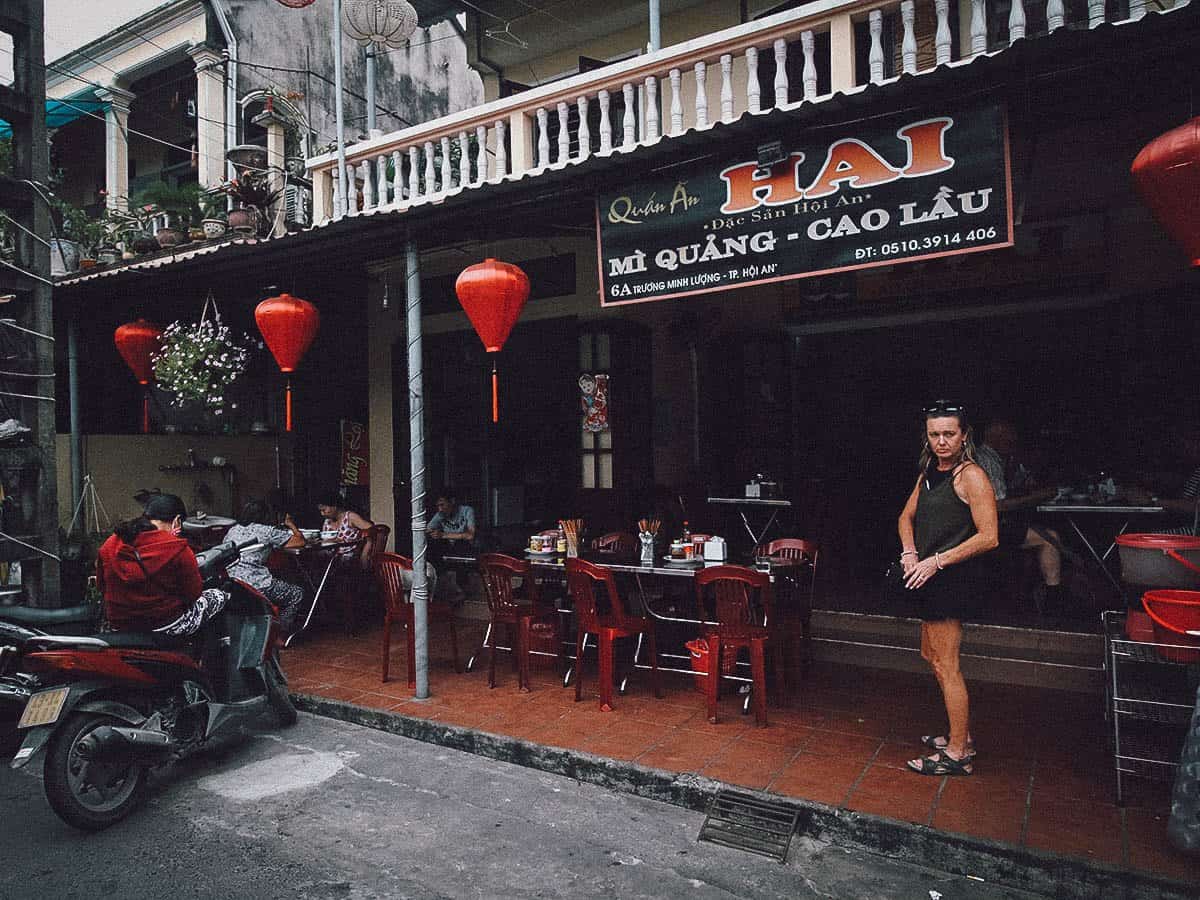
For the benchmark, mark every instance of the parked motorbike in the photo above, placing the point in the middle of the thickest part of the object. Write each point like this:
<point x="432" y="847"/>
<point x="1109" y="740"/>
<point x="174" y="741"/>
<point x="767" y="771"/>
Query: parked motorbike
<point x="108" y="708"/>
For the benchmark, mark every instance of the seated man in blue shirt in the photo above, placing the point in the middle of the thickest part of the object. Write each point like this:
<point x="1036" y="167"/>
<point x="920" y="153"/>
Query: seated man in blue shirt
<point x="453" y="521"/>
<point x="451" y="529"/>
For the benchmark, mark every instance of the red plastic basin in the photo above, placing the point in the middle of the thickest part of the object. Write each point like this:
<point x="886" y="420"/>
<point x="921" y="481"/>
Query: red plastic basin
<point x="1176" y="616"/>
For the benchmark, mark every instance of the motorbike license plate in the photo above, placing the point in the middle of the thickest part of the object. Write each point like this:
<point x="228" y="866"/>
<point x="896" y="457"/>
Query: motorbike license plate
<point x="44" y="707"/>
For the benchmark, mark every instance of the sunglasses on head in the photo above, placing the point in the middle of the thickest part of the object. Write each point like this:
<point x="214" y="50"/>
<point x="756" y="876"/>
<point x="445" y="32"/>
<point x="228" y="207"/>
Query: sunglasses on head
<point x="942" y="406"/>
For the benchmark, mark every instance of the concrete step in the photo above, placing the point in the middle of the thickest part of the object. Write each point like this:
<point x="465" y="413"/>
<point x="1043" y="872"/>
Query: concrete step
<point x="1063" y="660"/>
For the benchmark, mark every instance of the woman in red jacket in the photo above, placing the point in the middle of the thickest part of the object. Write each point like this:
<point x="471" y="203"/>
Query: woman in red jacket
<point x="149" y="577"/>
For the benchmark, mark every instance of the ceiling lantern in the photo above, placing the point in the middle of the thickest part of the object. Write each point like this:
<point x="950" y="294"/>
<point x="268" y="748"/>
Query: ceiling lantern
<point x="1167" y="175"/>
<point x="388" y="22"/>
<point x="493" y="294"/>
<point x="137" y="342"/>
<point x="288" y="325"/>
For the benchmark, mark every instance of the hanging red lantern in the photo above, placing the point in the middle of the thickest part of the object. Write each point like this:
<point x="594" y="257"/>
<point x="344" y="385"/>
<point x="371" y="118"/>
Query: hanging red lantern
<point x="493" y="294"/>
<point x="1167" y="174"/>
<point x="288" y="325"/>
<point x="137" y="342"/>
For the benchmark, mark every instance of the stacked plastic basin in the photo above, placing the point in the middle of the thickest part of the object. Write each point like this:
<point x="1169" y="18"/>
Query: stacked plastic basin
<point x="1164" y="570"/>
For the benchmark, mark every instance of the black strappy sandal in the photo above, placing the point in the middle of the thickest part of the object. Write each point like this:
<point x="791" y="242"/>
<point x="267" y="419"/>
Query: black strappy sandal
<point x="940" y="742"/>
<point x="942" y="763"/>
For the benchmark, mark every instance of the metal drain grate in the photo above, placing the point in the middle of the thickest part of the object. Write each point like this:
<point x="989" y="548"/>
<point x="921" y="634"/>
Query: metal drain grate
<point x="747" y="823"/>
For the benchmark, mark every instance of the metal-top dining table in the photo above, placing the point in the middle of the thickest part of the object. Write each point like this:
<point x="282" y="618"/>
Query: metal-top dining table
<point x="326" y="551"/>
<point x="622" y="564"/>
<point x="1123" y="512"/>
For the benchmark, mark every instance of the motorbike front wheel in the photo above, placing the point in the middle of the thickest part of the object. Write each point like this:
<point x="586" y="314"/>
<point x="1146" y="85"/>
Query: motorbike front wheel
<point x="89" y="794"/>
<point x="277" y="692"/>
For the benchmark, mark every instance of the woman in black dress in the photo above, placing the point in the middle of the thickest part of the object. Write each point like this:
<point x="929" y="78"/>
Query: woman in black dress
<point x="948" y="522"/>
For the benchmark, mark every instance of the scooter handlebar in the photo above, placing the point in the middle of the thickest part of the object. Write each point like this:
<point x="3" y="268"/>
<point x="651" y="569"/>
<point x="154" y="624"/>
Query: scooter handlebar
<point x="215" y="560"/>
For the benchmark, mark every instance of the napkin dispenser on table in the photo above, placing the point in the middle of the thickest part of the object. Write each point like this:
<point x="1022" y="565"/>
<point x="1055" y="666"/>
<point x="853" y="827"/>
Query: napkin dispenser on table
<point x="715" y="549"/>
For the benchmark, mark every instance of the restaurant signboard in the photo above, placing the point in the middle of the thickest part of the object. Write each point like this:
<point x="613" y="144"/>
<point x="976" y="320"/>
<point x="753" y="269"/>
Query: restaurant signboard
<point x="356" y="455"/>
<point x="876" y="193"/>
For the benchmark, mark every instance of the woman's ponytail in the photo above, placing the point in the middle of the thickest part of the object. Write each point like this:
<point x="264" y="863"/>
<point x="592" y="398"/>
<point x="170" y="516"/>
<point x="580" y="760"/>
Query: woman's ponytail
<point x="129" y="529"/>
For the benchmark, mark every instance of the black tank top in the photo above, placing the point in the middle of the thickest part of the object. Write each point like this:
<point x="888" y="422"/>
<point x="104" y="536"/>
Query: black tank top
<point x="943" y="519"/>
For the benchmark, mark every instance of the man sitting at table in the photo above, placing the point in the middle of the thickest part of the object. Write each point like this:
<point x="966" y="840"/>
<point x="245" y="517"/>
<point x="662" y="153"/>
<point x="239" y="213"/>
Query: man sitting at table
<point x="451" y="529"/>
<point x="1014" y="496"/>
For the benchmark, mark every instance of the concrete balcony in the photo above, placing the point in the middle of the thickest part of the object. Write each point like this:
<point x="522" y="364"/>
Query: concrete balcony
<point x="801" y="56"/>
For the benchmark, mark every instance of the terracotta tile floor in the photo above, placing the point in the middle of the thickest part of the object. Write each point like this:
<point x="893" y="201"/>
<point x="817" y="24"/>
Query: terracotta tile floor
<point x="1043" y="777"/>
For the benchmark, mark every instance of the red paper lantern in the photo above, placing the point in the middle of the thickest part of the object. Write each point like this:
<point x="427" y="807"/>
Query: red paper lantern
<point x="137" y="342"/>
<point x="493" y="294"/>
<point x="288" y="325"/>
<point x="1167" y="175"/>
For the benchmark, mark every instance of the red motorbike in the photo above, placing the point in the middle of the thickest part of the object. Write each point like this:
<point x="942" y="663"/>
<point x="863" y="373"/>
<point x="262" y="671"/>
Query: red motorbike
<point x="106" y="709"/>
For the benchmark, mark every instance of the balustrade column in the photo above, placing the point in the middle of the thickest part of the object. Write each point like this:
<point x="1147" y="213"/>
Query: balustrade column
<point x="651" y="109"/>
<point x="447" y="170"/>
<point x="629" y="120"/>
<point x="807" y="45"/>
<point x="481" y="159"/>
<point x="875" y="57"/>
<point x="941" y="40"/>
<point x="1016" y="21"/>
<point x="978" y="27"/>
<point x="1056" y="15"/>
<point x="543" y="141"/>
<point x="585" y="131"/>
<point x="908" y="46"/>
<point x="701" y="95"/>
<point x="397" y="176"/>
<point x="676" y="104"/>
<point x="430" y="171"/>
<point x="753" y="88"/>
<point x="414" y="173"/>
<point x="1095" y="13"/>
<point x="363" y="169"/>
<point x="464" y="160"/>
<point x="605" y="125"/>
<point x="564" y="132"/>
<point x="781" y="76"/>
<point x="501" y="151"/>
<point x="726" y="88"/>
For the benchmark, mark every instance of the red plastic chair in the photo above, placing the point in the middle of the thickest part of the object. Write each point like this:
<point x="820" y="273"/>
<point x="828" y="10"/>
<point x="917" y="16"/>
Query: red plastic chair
<point x="796" y="609"/>
<point x="518" y="607"/>
<point x="582" y="578"/>
<point x="398" y="607"/>
<point x="739" y="624"/>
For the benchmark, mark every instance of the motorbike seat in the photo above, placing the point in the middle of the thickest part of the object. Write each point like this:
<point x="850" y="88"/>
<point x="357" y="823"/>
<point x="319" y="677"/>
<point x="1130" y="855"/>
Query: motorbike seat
<point x="148" y="640"/>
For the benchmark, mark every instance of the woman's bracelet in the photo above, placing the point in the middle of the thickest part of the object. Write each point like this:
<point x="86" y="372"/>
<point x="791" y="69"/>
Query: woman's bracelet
<point x="937" y="558"/>
<point x="908" y="553"/>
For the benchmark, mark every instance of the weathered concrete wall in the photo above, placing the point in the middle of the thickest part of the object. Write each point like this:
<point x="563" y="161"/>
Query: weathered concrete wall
<point x="122" y="464"/>
<point x="428" y="79"/>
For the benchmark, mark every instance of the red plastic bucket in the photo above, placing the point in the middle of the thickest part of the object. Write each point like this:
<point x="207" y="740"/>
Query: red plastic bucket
<point x="1160" y="560"/>
<point x="698" y="654"/>
<point x="1175" y="613"/>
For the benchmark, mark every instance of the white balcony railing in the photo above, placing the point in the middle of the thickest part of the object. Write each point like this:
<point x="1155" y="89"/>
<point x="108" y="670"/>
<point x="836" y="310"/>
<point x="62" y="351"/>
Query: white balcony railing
<point x="794" y="57"/>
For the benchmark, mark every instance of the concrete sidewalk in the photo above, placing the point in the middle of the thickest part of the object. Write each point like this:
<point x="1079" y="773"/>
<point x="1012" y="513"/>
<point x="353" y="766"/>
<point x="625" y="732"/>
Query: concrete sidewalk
<point x="328" y="809"/>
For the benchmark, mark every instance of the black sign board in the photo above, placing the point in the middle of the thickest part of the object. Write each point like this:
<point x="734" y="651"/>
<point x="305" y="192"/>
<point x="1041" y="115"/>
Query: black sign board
<point x="876" y="194"/>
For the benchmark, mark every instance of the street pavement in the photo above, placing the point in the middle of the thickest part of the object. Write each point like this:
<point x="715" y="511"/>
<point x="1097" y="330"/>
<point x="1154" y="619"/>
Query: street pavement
<point x="330" y="810"/>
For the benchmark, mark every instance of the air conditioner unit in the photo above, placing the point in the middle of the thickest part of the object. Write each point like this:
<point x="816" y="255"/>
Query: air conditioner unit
<point x="297" y="202"/>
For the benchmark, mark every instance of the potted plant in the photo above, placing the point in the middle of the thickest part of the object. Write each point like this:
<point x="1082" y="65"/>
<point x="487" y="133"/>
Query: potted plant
<point x="253" y="195"/>
<point x="181" y="204"/>
<point x="198" y="362"/>
<point x="133" y="228"/>
<point x="213" y="221"/>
